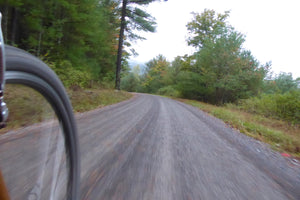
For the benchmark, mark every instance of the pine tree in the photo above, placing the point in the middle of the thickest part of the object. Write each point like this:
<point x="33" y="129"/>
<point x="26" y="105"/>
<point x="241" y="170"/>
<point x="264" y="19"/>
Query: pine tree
<point x="132" y="18"/>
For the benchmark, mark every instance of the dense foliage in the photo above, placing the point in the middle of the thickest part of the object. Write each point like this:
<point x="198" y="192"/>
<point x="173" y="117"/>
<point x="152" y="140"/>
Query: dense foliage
<point x="220" y="71"/>
<point x="82" y="34"/>
<point x="281" y="83"/>
<point x="79" y="39"/>
<point x="284" y="106"/>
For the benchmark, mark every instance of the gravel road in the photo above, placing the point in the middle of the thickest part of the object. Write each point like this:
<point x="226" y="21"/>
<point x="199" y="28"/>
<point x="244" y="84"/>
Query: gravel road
<point x="152" y="147"/>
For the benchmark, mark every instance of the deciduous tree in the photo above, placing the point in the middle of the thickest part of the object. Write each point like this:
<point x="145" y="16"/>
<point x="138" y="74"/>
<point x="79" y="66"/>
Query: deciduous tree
<point x="155" y="74"/>
<point x="227" y="71"/>
<point x="206" y="26"/>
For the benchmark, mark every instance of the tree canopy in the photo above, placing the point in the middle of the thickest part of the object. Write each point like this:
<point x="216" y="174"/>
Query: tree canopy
<point x="206" y="26"/>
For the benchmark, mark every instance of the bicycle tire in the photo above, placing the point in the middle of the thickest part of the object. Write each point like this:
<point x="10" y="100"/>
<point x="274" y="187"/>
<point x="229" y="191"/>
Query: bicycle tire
<point x="23" y="68"/>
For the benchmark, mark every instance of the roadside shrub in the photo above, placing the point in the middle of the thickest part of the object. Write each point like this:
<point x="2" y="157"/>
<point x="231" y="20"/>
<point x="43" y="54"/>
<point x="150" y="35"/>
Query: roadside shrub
<point x="281" y="106"/>
<point x="264" y="105"/>
<point x="70" y="76"/>
<point x="130" y="83"/>
<point x="108" y="81"/>
<point x="169" y="91"/>
<point x="288" y="106"/>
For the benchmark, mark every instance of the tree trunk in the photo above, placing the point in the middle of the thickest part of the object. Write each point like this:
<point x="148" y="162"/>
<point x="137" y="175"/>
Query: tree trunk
<point x="39" y="44"/>
<point x="5" y="23"/>
<point x="120" y="47"/>
<point x="14" y="29"/>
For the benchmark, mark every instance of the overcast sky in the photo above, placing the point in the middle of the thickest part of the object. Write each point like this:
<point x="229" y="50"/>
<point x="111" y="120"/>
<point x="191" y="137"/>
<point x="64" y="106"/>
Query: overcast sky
<point x="272" y="29"/>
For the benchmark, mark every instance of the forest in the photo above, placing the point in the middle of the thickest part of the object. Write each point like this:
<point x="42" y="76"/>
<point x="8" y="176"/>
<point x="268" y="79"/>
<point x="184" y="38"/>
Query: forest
<point x="77" y="39"/>
<point x="81" y="41"/>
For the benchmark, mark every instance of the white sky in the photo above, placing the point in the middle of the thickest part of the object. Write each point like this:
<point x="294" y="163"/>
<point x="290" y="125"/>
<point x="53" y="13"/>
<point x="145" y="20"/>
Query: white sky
<point x="272" y="29"/>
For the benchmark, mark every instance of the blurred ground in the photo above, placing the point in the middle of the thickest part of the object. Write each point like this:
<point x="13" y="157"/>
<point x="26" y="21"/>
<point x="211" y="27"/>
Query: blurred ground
<point x="155" y="148"/>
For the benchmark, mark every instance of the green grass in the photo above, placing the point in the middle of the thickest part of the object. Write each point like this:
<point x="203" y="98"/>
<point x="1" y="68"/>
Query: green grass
<point x="85" y="100"/>
<point x="282" y="136"/>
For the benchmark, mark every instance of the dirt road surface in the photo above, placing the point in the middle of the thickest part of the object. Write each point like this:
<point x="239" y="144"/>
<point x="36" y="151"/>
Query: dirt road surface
<point x="152" y="147"/>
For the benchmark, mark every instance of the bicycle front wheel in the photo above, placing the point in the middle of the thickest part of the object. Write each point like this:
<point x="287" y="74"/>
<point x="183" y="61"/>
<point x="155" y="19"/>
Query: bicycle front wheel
<point x="39" y="148"/>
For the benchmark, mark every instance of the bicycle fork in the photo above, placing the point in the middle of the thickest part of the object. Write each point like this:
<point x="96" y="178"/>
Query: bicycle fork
<point x="3" y="107"/>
